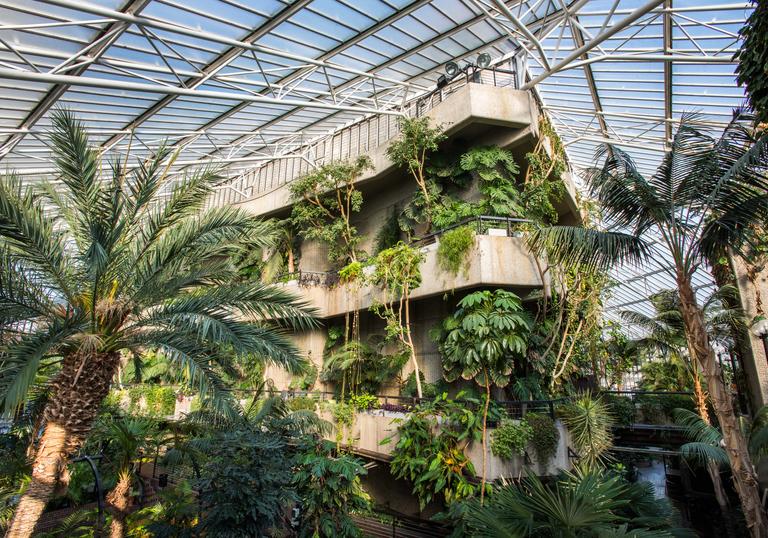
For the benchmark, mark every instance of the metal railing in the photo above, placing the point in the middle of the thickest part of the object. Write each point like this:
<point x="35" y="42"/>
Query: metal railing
<point x="352" y="140"/>
<point x="481" y="224"/>
<point x="403" y="404"/>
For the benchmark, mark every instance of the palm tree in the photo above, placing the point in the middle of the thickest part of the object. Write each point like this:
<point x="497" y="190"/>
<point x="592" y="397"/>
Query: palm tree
<point x="127" y="437"/>
<point x="580" y="504"/>
<point x="132" y="262"/>
<point x="705" y="197"/>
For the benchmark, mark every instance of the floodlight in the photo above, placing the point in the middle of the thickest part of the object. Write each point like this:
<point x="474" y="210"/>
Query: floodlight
<point x="483" y="60"/>
<point x="452" y="69"/>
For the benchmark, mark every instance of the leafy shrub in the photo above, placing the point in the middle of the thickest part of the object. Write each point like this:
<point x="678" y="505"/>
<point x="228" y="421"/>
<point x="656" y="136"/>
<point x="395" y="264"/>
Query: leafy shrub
<point x="433" y="458"/>
<point x="389" y="234"/>
<point x="364" y="401"/>
<point x="245" y="484"/>
<point x="429" y="390"/>
<point x="621" y="407"/>
<point x="305" y="381"/>
<point x="302" y="403"/>
<point x="510" y="439"/>
<point x="545" y="437"/>
<point x="329" y="489"/>
<point x="154" y="400"/>
<point x="454" y="247"/>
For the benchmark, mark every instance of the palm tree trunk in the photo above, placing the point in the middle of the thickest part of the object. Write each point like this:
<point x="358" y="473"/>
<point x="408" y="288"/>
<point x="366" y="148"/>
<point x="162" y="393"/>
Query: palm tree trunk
<point x="49" y="460"/>
<point x="743" y="471"/>
<point x="76" y="395"/>
<point x="485" y="432"/>
<point x="118" y="501"/>
<point x="712" y="467"/>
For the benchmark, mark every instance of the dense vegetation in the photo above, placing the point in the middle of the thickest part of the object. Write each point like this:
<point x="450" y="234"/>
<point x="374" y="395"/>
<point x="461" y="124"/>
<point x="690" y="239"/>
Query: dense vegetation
<point x="126" y="303"/>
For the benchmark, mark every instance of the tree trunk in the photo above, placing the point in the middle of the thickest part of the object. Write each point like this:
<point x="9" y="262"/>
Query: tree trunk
<point x="118" y="501"/>
<point x="76" y="395"/>
<point x="744" y="475"/>
<point x="409" y="343"/>
<point x="49" y="460"/>
<point x="485" y="436"/>
<point x="712" y="467"/>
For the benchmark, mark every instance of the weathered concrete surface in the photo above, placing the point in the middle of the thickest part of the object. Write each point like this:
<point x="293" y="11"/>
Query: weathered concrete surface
<point x="493" y="261"/>
<point x="754" y="301"/>
<point x="472" y="104"/>
<point x="371" y="429"/>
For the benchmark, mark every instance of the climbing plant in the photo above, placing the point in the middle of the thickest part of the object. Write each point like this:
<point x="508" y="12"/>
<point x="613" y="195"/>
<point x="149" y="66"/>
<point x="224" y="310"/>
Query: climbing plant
<point x="542" y="184"/>
<point x="511" y="438"/>
<point x="325" y="200"/>
<point x="481" y="341"/>
<point x="397" y="271"/>
<point x="753" y="57"/>
<point x="454" y="248"/>
<point x="430" y="451"/>
<point x="417" y="141"/>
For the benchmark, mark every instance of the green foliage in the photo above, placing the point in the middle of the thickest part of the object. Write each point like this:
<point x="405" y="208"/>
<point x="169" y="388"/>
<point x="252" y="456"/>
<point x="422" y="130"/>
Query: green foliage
<point x="622" y="408"/>
<point x="364" y="401"/>
<point x="398" y="270"/>
<point x="589" y="423"/>
<point x="511" y="438"/>
<point x="364" y="366"/>
<point x="125" y="261"/>
<point x="659" y="408"/>
<point x="329" y="489"/>
<point x="484" y="338"/>
<point x="173" y="516"/>
<point x="545" y="437"/>
<point x="590" y="504"/>
<point x="454" y="247"/>
<point x="351" y="272"/>
<point x="429" y="390"/>
<point x="325" y="200"/>
<point x="245" y="484"/>
<point x="417" y="141"/>
<point x="433" y="458"/>
<point x="305" y="381"/>
<point x="753" y="58"/>
<point x="495" y="171"/>
<point x="543" y="178"/>
<point x="152" y="400"/>
<point x="666" y="375"/>
<point x="389" y="234"/>
<point x="299" y="403"/>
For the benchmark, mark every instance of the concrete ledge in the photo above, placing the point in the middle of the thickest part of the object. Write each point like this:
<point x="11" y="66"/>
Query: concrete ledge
<point x="493" y="261"/>
<point x="371" y="428"/>
<point x="473" y="103"/>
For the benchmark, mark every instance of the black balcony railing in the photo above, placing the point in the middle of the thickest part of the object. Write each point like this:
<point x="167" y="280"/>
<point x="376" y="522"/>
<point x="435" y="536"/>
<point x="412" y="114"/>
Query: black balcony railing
<point x="482" y="225"/>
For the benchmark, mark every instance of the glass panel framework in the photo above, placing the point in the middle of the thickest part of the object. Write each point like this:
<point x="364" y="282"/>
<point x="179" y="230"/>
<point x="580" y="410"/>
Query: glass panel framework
<point x="265" y="88"/>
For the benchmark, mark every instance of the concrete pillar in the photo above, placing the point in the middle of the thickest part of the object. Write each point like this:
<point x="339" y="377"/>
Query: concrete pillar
<point x="754" y="298"/>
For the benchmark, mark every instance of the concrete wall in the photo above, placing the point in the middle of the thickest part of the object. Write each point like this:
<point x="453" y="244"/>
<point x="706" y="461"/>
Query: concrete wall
<point x="756" y="365"/>
<point x="371" y="429"/>
<point x="494" y="261"/>
<point x="472" y="104"/>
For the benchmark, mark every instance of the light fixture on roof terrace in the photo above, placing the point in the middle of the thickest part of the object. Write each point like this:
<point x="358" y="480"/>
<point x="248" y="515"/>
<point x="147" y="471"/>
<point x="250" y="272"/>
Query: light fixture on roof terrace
<point x="452" y="69"/>
<point x="483" y="60"/>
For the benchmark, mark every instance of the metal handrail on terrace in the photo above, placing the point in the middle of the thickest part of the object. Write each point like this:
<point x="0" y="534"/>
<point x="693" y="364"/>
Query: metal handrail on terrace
<point x="352" y="140"/>
<point x="481" y="223"/>
<point x="403" y="404"/>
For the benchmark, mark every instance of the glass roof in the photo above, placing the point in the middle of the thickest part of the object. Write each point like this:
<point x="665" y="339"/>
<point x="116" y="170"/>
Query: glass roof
<point x="243" y="83"/>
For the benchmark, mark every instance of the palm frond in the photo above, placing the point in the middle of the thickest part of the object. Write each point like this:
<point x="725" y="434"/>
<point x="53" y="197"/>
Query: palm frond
<point x="589" y="247"/>
<point x="20" y="361"/>
<point x="626" y="198"/>
<point x="704" y="452"/>
<point x="695" y="428"/>
<point x="28" y="233"/>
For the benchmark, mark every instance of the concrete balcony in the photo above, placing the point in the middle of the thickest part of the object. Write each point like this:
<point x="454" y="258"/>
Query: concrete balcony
<point x="493" y="261"/>
<point x="371" y="429"/>
<point x="474" y="110"/>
